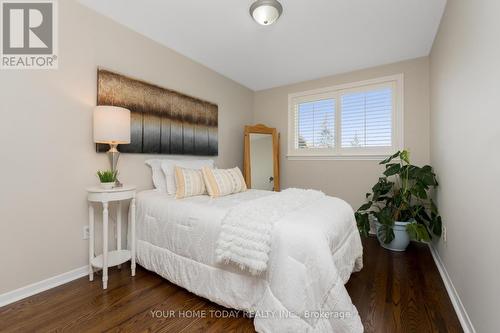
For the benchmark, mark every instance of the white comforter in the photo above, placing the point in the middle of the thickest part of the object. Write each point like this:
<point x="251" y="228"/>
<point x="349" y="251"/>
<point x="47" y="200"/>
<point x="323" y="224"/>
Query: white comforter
<point x="313" y="252"/>
<point x="247" y="229"/>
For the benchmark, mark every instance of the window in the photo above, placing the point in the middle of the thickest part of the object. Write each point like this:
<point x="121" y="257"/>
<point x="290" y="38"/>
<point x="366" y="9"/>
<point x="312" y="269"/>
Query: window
<point x="316" y="124"/>
<point x="358" y="120"/>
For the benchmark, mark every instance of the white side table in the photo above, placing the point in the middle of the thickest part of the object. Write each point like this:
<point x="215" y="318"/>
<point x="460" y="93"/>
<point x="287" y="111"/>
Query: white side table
<point x="119" y="256"/>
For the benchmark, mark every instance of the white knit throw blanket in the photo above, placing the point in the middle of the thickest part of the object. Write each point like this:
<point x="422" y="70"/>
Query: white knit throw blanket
<point x="246" y="234"/>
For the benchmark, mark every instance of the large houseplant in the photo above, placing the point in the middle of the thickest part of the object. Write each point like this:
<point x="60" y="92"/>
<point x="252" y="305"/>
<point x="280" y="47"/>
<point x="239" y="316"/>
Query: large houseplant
<point x="400" y="204"/>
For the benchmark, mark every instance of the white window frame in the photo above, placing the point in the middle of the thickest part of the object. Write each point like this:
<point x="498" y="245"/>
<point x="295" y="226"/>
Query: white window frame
<point x="337" y="152"/>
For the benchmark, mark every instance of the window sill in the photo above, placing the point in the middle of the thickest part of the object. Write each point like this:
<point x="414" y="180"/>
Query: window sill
<point x="371" y="157"/>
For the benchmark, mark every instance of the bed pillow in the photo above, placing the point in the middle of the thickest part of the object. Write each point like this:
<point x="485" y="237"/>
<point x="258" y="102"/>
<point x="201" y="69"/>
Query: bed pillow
<point x="157" y="174"/>
<point x="168" y="167"/>
<point x="189" y="182"/>
<point x="220" y="182"/>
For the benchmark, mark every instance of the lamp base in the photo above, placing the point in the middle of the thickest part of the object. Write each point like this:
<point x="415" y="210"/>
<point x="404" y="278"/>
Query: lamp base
<point x="113" y="155"/>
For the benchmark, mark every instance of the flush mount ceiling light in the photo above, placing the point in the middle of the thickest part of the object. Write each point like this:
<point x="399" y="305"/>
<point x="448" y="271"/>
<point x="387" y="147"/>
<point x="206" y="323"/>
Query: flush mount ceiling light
<point x="266" y="12"/>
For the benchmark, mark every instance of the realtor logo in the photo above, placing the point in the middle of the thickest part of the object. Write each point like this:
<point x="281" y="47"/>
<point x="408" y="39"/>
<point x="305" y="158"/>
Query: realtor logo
<point x="29" y="34"/>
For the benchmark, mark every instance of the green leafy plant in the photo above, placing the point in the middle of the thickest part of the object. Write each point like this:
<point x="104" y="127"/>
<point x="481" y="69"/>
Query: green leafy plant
<point x="107" y="176"/>
<point x="402" y="194"/>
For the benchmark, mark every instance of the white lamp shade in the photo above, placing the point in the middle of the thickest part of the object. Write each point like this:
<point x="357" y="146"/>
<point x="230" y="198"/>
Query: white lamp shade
<point x="111" y="125"/>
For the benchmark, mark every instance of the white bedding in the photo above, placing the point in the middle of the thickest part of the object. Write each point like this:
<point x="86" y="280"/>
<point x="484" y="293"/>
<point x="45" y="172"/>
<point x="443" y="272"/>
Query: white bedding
<point x="314" y="251"/>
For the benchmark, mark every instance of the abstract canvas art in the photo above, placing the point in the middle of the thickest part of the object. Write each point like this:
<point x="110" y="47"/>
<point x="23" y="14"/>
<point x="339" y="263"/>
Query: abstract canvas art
<point x="163" y="121"/>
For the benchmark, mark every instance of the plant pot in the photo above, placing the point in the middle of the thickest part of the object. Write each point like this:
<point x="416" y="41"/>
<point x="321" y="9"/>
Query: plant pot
<point x="401" y="237"/>
<point x="108" y="186"/>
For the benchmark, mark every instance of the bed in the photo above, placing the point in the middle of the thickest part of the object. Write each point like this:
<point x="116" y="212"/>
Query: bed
<point x="314" y="250"/>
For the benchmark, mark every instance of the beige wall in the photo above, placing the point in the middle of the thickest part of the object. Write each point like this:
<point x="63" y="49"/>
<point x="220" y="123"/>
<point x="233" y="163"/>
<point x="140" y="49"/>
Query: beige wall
<point x="47" y="155"/>
<point x="349" y="179"/>
<point x="465" y="118"/>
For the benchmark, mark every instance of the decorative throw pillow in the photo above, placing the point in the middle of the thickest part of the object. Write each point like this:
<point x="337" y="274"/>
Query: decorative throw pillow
<point x="168" y="167"/>
<point x="189" y="182"/>
<point x="157" y="174"/>
<point x="220" y="182"/>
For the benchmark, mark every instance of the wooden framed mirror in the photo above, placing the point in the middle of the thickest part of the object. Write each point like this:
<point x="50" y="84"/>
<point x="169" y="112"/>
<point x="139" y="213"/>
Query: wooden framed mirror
<point x="261" y="159"/>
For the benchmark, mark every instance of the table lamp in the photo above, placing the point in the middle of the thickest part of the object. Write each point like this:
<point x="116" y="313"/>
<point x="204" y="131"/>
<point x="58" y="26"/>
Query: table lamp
<point x="112" y="126"/>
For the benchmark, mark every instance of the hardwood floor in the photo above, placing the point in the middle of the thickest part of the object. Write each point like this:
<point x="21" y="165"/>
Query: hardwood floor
<point x="395" y="292"/>
<point x="401" y="292"/>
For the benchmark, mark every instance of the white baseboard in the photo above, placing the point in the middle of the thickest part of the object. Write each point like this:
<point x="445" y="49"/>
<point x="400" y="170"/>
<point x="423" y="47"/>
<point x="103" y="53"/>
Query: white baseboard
<point x="38" y="287"/>
<point x="452" y="293"/>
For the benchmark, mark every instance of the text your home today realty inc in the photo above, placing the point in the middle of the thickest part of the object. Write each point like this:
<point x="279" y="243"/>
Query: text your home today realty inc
<point x="193" y="314"/>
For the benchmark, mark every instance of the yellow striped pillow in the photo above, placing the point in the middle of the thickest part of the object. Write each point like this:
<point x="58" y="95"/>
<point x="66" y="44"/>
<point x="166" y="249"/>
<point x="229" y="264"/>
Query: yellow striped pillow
<point x="189" y="182"/>
<point x="220" y="182"/>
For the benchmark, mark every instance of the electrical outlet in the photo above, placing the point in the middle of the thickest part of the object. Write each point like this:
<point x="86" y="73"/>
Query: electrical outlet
<point x="444" y="234"/>
<point x="86" y="232"/>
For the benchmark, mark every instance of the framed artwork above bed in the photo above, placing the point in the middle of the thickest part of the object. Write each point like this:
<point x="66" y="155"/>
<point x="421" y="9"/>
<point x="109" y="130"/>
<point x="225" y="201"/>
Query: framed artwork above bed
<point x="163" y="121"/>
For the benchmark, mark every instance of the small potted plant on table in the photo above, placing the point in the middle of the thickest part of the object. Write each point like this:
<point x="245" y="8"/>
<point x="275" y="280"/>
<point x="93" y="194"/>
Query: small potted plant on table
<point x="107" y="178"/>
<point x="400" y="204"/>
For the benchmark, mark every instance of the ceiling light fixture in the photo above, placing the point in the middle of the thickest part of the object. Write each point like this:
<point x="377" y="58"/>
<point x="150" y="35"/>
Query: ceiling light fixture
<point x="266" y="12"/>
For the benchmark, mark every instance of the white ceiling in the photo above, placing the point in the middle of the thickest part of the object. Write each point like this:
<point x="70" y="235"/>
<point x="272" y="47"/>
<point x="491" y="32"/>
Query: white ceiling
<point x="312" y="39"/>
